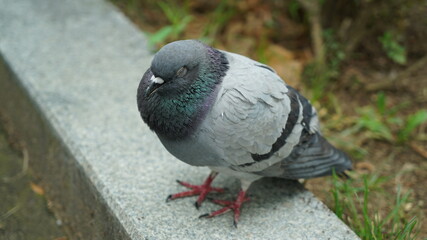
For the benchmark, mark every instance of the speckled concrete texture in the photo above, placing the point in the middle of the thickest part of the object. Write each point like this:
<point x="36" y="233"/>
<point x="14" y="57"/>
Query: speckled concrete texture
<point x="80" y="62"/>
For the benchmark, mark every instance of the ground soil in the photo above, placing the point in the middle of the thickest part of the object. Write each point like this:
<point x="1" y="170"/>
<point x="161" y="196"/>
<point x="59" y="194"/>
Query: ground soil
<point x="24" y="211"/>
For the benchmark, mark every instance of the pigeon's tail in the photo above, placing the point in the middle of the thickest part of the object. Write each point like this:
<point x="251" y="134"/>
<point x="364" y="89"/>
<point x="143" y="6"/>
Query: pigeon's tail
<point x="314" y="157"/>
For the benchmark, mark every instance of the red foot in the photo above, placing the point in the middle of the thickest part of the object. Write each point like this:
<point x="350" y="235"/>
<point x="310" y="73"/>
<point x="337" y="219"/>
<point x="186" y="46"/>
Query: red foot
<point x="229" y="205"/>
<point x="201" y="190"/>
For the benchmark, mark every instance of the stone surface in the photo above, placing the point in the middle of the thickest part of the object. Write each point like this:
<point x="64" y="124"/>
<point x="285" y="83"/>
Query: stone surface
<point x="68" y="80"/>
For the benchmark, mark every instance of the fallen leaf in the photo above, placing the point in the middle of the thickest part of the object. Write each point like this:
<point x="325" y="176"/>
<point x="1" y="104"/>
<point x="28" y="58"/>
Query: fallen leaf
<point x="37" y="188"/>
<point x="418" y="149"/>
<point x="365" y="167"/>
<point x="283" y="61"/>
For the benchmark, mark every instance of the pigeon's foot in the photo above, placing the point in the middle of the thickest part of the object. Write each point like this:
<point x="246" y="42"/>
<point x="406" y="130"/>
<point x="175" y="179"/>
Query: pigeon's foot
<point x="201" y="190"/>
<point x="229" y="205"/>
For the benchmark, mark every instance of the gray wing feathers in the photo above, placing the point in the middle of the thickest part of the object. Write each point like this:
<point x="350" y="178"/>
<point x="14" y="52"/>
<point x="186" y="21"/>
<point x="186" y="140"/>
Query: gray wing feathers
<point x="248" y="116"/>
<point x="316" y="159"/>
<point x="249" y="125"/>
<point x="313" y="157"/>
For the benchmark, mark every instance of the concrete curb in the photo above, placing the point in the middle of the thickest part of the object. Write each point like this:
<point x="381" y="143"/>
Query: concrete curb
<point x="68" y="77"/>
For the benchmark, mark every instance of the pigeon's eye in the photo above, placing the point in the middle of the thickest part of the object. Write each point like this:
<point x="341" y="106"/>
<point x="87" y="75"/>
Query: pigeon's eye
<point x="181" y="72"/>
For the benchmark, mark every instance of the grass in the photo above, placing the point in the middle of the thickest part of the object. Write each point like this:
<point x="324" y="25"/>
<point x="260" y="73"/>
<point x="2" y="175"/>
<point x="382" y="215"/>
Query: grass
<point x="352" y="204"/>
<point x="378" y="121"/>
<point x="411" y="123"/>
<point x="383" y="122"/>
<point x="220" y="16"/>
<point x="392" y="48"/>
<point x="353" y="200"/>
<point x="319" y="77"/>
<point x="178" y="17"/>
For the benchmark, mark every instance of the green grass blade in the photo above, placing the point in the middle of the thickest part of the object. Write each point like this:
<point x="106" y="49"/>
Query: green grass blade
<point x="160" y="35"/>
<point x="412" y="122"/>
<point x="407" y="231"/>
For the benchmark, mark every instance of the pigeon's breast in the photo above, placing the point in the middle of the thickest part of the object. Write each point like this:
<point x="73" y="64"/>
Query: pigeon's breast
<point x="196" y="150"/>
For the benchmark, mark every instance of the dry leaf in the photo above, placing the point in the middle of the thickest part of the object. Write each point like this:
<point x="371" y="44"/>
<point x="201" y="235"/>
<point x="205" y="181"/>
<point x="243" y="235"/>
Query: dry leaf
<point x="36" y="188"/>
<point x="418" y="149"/>
<point x="285" y="64"/>
<point x="365" y="167"/>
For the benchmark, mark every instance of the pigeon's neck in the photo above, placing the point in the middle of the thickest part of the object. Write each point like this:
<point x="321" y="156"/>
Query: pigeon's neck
<point x="178" y="116"/>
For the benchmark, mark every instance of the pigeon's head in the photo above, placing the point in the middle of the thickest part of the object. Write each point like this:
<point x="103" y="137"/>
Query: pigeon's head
<point x="178" y="89"/>
<point x="176" y="66"/>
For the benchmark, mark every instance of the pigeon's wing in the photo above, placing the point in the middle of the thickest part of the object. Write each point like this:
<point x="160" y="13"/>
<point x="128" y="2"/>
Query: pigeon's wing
<point x="255" y="118"/>
<point x="264" y="126"/>
<point x="313" y="157"/>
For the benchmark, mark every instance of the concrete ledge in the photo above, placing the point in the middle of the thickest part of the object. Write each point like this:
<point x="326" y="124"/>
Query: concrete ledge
<point x="68" y="77"/>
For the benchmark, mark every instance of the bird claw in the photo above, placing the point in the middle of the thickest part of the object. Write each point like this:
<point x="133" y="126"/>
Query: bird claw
<point x="206" y="215"/>
<point x="201" y="190"/>
<point x="228" y="206"/>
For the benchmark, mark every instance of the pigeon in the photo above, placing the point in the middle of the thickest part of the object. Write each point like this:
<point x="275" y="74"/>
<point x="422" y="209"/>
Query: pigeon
<point x="234" y="115"/>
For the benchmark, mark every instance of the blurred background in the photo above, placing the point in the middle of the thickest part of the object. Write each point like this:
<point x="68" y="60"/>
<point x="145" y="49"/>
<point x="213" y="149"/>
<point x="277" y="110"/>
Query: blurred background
<point x="363" y="65"/>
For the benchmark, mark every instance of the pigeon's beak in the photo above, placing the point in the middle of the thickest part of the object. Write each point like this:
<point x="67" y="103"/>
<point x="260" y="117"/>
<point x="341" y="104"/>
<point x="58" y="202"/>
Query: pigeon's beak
<point x="156" y="82"/>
